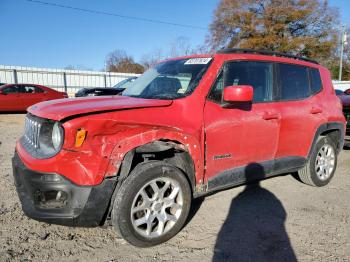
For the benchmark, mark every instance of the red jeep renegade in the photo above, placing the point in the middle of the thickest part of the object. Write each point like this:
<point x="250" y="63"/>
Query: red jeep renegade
<point x="185" y="128"/>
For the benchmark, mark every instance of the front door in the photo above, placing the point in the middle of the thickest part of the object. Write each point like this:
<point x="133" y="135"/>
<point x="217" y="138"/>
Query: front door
<point x="241" y="134"/>
<point x="9" y="99"/>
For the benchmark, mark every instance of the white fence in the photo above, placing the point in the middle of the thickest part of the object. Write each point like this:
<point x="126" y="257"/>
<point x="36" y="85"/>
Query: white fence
<point x="341" y="85"/>
<point x="60" y="79"/>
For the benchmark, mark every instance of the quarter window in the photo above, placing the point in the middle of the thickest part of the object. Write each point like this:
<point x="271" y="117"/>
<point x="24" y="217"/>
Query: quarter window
<point x="315" y="80"/>
<point x="294" y="82"/>
<point x="216" y="92"/>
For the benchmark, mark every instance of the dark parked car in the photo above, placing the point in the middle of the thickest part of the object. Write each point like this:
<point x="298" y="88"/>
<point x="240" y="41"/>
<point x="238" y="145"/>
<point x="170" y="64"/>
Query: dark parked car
<point x="345" y="99"/>
<point x="17" y="97"/>
<point x="106" y="91"/>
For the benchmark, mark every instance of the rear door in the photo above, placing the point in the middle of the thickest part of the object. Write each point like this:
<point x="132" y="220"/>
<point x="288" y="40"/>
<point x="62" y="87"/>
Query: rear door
<point x="300" y="108"/>
<point x="9" y="99"/>
<point x="242" y="133"/>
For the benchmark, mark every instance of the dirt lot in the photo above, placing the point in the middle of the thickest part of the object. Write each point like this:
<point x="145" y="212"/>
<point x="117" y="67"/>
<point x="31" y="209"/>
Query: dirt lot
<point x="278" y="220"/>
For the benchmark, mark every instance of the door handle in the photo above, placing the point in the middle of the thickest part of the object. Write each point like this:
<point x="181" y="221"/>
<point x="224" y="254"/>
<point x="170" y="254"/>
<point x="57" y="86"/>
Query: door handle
<point x="315" y="110"/>
<point x="270" y="116"/>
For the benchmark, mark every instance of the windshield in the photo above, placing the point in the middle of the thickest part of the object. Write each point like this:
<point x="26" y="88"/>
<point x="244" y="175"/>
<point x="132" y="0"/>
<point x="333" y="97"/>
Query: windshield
<point x="124" y="83"/>
<point x="169" y="80"/>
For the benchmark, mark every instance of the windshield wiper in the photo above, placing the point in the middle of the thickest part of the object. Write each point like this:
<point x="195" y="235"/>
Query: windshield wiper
<point x="161" y="96"/>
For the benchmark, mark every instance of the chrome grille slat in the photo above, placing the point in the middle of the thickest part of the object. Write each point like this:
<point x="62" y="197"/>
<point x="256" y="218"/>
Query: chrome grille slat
<point x="32" y="132"/>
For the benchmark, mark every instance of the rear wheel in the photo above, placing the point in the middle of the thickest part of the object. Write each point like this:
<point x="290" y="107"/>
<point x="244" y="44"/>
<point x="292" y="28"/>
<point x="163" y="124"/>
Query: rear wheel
<point x="152" y="204"/>
<point x="321" y="165"/>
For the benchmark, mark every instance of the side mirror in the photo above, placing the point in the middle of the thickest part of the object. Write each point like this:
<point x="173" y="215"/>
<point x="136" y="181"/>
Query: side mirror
<point x="238" y="93"/>
<point x="347" y="91"/>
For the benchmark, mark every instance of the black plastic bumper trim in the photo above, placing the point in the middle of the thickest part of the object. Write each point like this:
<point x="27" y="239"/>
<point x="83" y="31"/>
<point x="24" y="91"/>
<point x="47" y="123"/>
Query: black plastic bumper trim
<point x="85" y="206"/>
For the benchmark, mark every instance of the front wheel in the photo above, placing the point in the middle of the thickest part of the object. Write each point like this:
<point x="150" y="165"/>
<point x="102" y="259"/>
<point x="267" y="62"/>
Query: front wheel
<point x="321" y="165"/>
<point x="152" y="204"/>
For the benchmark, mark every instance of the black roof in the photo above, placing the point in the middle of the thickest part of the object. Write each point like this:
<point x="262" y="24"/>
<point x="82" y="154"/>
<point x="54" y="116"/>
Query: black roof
<point x="263" y="52"/>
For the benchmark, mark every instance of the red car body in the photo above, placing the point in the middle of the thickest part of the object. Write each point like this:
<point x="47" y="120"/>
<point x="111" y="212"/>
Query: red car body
<point x="18" y="97"/>
<point x="289" y="134"/>
<point x="216" y="138"/>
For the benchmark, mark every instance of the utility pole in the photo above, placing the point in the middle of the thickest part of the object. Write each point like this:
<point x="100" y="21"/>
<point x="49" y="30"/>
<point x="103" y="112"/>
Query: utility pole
<point x="344" y="42"/>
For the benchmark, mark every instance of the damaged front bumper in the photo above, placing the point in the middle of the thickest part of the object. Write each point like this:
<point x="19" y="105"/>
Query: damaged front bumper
<point x="54" y="199"/>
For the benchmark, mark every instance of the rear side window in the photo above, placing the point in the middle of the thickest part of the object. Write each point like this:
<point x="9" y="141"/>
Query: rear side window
<point x="315" y="80"/>
<point x="29" y="89"/>
<point x="294" y="82"/>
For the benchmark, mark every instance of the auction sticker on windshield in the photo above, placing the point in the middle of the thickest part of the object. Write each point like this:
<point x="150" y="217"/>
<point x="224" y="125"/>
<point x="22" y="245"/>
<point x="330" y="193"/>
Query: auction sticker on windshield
<point x="198" y="61"/>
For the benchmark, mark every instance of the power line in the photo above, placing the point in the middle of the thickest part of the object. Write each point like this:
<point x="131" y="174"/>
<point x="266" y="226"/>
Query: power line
<point x="115" y="15"/>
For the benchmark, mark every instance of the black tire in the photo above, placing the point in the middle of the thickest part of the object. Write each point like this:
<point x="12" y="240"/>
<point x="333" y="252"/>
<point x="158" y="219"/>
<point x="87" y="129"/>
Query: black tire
<point x="308" y="174"/>
<point x="128" y="191"/>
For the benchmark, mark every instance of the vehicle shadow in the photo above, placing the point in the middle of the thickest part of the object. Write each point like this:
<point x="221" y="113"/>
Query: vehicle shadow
<point x="254" y="228"/>
<point x="347" y="146"/>
<point x="195" y="206"/>
<point x="12" y="112"/>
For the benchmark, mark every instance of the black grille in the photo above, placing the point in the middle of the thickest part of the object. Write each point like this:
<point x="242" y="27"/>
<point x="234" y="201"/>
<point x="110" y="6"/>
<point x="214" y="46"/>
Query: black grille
<point x="32" y="128"/>
<point x="37" y="137"/>
<point x="30" y="140"/>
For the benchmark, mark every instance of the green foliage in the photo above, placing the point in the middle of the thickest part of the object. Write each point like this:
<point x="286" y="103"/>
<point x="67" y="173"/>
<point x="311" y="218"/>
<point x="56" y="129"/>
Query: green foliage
<point x="119" y="61"/>
<point x="301" y="27"/>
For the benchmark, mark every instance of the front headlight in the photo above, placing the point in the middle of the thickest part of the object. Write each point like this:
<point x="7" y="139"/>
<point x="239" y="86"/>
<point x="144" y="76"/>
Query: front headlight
<point x="56" y="136"/>
<point x="43" y="138"/>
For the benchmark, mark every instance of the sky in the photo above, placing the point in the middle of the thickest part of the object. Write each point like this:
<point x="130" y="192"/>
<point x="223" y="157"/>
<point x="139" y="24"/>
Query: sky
<point x="39" y="35"/>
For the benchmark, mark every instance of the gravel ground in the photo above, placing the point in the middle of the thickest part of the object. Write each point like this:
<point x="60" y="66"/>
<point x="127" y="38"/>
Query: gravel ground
<point x="279" y="219"/>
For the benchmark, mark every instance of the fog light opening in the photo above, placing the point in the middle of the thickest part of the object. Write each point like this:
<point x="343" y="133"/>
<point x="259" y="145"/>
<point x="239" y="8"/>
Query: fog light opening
<point x="51" y="199"/>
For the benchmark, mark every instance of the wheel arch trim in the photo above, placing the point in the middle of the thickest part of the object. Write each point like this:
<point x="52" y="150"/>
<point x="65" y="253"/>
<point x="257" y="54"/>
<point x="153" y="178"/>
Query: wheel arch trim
<point x="329" y="127"/>
<point x="124" y="151"/>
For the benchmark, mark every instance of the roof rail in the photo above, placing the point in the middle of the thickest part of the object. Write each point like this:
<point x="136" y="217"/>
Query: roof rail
<point x="263" y="52"/>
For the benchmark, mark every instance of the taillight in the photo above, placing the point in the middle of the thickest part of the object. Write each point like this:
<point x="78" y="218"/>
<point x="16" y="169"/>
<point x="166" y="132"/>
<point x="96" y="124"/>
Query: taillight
<point x="65" y="95"/>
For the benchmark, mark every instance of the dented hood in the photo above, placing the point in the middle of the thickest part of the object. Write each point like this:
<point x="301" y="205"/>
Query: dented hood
<point x="63" y="108"/>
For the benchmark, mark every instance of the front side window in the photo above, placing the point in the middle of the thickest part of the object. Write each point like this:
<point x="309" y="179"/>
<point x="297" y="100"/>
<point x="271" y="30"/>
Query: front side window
<point x="169" y="80"/>
<point x="294" y="82"/>
<point x="259" y="75"/>
<point x="10" y="90"/>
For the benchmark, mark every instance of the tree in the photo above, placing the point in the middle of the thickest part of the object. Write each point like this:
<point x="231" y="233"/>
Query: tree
<point x="119" y="61"/>
<point x="301" y="27"/>
<point x="152" y="58"/>
<point x="181" y="46"/>
<point x="78" y="67"/>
